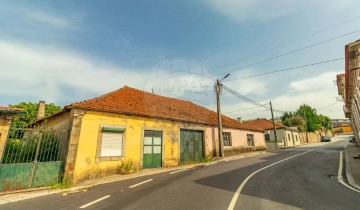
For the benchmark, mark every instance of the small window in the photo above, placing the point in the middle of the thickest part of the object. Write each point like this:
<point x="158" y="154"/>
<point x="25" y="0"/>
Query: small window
<point x="227" y="139"/>
<point x="267" y="137"/>
<point x="250" y="140"/>
<point x="110" y="144"/>
<point x="296" y="138"/>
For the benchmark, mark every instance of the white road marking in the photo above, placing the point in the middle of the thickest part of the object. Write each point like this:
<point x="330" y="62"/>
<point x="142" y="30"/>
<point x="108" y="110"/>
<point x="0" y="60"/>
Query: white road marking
<point x="135" y="185"/>
<point x="238" y="191"/>
<point x="340" y="178"/>
<point x="95" y="201"/>
<point x="178" y="171"/>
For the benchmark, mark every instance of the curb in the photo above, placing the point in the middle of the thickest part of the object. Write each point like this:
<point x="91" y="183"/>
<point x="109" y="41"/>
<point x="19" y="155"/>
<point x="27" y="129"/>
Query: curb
<point x="18" y="195"/>
<point x="348" y="171"/>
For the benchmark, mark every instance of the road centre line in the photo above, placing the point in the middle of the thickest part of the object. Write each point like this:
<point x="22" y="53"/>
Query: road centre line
<point x="135" y="185"/>
<point x="178" y="171"/>
<point x="238" y="191"/>
<point x="93" y="202"/>
<point x="340" y="177"/>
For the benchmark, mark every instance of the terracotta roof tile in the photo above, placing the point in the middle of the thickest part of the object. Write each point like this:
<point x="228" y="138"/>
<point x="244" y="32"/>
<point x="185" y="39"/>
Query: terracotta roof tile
<point x="10" y="109"/>
<point x="263" y="124"/>
<point x="131" y="101"/>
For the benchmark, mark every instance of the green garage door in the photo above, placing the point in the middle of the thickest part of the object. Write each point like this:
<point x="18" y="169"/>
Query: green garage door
<point x="191" y="146"/>
<point x="152" y="149"/>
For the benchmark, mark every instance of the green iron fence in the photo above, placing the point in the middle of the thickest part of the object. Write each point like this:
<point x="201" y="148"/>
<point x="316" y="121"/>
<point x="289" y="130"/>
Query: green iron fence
<point x="33" y="157"/>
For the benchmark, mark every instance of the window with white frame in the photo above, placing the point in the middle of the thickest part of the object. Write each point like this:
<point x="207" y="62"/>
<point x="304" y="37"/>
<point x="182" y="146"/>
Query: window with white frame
<point x="250" y="140"/>
<point x="110" y="145"/>
<point x="227" y="138"/>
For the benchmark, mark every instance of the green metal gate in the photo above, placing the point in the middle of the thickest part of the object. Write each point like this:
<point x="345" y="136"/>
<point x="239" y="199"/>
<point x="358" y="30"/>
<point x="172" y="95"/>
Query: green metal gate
<point x="191" y="146"/>
<point x="152" y="155"/>
<point x="33" y="157"/>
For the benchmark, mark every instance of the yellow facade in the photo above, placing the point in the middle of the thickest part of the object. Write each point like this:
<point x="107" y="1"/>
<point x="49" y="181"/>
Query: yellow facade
<point x="4" y="129"/>
<point x="342" y="129"/>
<point x="86" y="166"/>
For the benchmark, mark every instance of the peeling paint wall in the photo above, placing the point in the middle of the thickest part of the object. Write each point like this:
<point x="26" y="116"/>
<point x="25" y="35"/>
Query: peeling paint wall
<point x="239" y="137"/>
<point x="86" y="166"/>
<point x="4" y="130"/>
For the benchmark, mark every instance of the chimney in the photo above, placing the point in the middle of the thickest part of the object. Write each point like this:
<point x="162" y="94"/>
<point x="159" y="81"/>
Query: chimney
<point x="41" y="110"/>
<point x="239" y="119"/>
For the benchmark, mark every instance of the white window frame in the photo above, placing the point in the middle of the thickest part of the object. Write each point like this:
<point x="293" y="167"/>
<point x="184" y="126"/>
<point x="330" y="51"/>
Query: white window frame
<point x="250" y="140"/>
<point x="228" y="134"/>
<point x="111" y="155"/>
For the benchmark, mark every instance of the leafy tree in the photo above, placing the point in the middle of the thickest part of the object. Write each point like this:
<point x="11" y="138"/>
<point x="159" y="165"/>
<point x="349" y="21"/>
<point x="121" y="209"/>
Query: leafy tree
<point x="286" y="115"/>
<point x="310" y="116"/>
<point x="324" y="121"/>
<point x="298" y="121"/>
<point x="306" y="118"/>
<point x="31" y="112"/>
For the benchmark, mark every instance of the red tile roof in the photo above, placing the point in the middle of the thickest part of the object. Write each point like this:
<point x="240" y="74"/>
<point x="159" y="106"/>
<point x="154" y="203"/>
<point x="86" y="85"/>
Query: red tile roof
<point x="131" y="101"/>
<point x="10" y="108"/>
<point x="263" y="124"/>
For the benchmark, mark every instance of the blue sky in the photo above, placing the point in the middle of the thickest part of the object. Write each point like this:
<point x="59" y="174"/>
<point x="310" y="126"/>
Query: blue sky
<point x="68" y="51"/>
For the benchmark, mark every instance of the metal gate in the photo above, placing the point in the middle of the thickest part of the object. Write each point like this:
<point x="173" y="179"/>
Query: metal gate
<point x="152" y="154"/>
<point x="191" y="146"/>
<point x="33" y="157"/>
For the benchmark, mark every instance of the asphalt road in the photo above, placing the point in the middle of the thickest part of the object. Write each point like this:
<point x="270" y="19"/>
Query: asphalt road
<point x="305" y="178"/>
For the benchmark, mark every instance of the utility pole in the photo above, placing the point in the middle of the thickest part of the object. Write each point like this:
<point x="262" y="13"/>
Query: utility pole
<point x="273" y="121"/>
<point x="220" y="133"/>
<point x="307" y="137"/>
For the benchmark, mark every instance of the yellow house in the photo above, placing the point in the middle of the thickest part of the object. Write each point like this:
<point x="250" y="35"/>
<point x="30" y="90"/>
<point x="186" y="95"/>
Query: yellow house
<point x="127" y="130"/>
<point x="6" y="115"/>
<point x="342" y="128"/>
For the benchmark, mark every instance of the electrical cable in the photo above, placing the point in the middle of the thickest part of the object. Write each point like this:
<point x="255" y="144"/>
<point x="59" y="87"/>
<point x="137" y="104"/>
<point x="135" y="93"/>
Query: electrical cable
<point x="290" y="52"/>
<point x="286" y="69"/>
<point x="289" y="42"/>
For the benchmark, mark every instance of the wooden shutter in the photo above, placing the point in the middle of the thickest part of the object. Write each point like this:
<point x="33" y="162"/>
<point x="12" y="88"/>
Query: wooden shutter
<point x="111" y="144"/>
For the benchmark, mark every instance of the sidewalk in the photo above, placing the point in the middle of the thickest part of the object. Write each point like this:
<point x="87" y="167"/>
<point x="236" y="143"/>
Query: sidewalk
<point x="13" y="196"/>
<point x="352" y="165"/>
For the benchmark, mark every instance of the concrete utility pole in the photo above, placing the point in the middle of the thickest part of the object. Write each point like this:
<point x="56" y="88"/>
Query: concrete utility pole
<point x="273" y="121"/>
<point x="307" y="137"/>
<point x="220" y="133"/>
<point x="220" y="136"/>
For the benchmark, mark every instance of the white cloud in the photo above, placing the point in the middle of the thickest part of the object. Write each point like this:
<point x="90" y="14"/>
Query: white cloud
<point x="318" y="92"/>
<point x="264" y="10"/>
<point x="49" y="19"/>
<point x="241" y="10"/>
<point x="40" y="73"/>
<point x="247" y="86"/>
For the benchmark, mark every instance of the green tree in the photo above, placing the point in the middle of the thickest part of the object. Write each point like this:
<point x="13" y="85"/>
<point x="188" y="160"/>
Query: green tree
<point x="286" y="115"/>
<point x="310" y="116"/>
<point x="31" y="112"/>
<point x="298" y="121"/>
<point x="324" y="122"/>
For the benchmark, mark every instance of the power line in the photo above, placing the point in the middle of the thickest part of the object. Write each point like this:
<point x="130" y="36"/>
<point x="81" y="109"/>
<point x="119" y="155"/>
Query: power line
<point x="289" y="42"/>
<point x="328" y="106"/>
<point x="245" y="109"/>
<point x="249" y="100"/>
<point x="242" y="97"/>
<point x="287" y="69"/>
<point x="290" y="52"/>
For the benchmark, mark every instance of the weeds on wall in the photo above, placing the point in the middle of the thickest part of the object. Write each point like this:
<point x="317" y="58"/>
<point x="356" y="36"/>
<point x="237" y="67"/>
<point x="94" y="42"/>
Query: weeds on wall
<point x="126" y="167"/>
<point x="239" y="150"/>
